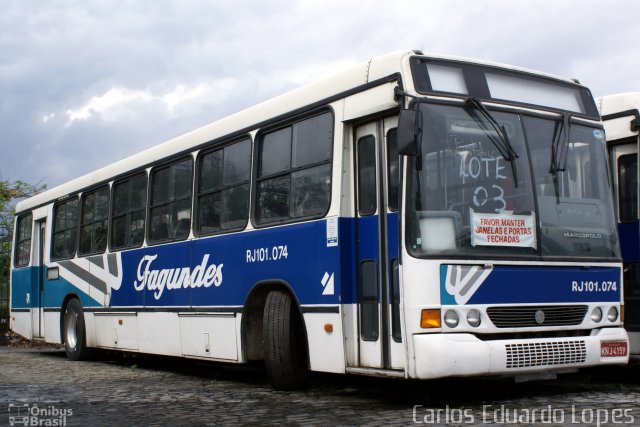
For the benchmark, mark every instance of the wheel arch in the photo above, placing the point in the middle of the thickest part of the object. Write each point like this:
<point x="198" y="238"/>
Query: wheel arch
<point x="252" y="316"/>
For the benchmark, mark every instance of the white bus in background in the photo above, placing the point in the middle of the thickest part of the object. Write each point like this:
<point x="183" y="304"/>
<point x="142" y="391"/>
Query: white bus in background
<point x="621" y="118"/>
<point x="416" y="216"/>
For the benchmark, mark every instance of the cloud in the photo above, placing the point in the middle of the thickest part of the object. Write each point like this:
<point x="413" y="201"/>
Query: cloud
<point x="120" y="103"/>
<point x="112" y="99"/>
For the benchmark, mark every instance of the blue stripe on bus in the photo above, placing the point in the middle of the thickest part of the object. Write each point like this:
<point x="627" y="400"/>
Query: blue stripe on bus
<point x="523" y="284"/>
<point x="221" y="270"/>
<point x="25" y="281"/>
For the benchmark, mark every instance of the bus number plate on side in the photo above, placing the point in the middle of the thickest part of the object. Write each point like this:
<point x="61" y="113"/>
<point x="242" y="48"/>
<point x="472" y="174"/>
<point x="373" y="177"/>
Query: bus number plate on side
<point x="613" y="349"/>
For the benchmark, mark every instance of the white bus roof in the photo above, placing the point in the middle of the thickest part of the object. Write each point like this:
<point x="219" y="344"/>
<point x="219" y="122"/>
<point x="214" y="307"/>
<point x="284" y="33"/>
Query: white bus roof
<point x="369" y="71"/>
<point x="618" y="125"/>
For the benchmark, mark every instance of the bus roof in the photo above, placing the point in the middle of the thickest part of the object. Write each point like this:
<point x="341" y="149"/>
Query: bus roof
<point x="618" y="111"/>
<point x="611" y="104"/>
<point x="354" y="77"/>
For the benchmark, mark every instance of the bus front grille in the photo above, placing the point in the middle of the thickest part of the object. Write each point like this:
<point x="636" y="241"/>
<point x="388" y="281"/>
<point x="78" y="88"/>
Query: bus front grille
<point x="548" y="353"/>
<point x="536" y="316"/>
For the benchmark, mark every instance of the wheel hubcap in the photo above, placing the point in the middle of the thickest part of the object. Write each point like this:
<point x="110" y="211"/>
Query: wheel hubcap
<point x="71" y="335"/>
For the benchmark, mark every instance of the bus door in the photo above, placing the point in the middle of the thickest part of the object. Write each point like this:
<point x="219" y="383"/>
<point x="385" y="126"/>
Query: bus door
<point x="377" y="175"/>
<point x="624" y="159"/>
<point x="37" y="284"/>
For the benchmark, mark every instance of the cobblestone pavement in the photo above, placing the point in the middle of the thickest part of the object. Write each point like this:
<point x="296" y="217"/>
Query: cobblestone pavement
<point x="44" y="386"/>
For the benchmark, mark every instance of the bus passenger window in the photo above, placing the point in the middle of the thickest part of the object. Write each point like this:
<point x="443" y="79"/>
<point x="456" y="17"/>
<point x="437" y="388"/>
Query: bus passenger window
<point x="310" y="188"/>
<point x="275" y="155"/>
<point x="223" y="188"/>
<point x="93" y="223"/>
<point x="628" y="187"/>
<point x="294" y="171"/>
<point x="65" y="226"/>
<point x="170" y="212"/>
<point x="367" y="199"/>
<point x="23" y="241"/>
<point x="369" y="295"/>
<point x="129" y="209"/>
<point x="393" y="169"/>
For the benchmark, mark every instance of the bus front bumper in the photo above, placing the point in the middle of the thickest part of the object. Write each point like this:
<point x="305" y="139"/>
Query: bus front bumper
<point x="443" y="355"/>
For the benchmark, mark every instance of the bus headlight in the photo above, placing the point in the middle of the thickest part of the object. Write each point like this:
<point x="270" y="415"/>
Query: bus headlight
<point x="612" y="314"/>
<point x="451" y="318"/>
<point x="474" y="318"/>
<point x="596" y="315"/>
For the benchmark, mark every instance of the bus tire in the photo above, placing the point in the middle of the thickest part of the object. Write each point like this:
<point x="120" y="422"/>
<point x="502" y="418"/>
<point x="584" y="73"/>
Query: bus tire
<point x="73" y="329"/>
<point x="285" y="344"/>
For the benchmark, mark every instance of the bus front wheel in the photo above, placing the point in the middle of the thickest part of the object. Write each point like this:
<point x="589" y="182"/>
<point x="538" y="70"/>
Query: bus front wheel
<point x="73" y="329"/>
<point x="285" y="344"/>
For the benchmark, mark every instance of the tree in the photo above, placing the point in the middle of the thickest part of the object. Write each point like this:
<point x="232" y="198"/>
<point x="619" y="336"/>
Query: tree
<point x="10" y="193"/>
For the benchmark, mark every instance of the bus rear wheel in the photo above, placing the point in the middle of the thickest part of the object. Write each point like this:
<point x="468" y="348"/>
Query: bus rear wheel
<point x="286" y="356"/>
<point x="73" y="329"/>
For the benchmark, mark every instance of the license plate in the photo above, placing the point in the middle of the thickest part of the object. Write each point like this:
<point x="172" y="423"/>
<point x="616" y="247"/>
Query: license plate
<point x="613" y="349"/>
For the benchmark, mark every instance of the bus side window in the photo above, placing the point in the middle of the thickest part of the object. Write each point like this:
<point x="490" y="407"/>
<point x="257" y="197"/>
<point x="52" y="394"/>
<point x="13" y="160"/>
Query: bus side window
<point x="628" y="187"/>
<point x="294" y="171"/>
<point x="93" y="221"/>
<point x="393" y="169"/>
<point x="170" y="205"/>
<point x="367" y="200"/>
<point x="129" y="211"/>
<point x="23" y="240"/>
<point x="65" y="226"/>
<point x="223" y="188"/>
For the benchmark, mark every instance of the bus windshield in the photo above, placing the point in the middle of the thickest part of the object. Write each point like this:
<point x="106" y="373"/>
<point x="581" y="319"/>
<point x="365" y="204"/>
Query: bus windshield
<point x="547" y="195"/>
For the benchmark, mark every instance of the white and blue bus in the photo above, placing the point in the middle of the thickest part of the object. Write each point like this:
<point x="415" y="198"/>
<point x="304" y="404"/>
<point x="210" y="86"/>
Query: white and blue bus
<point x="416" y="216"/>
<point x="621" y="118"/>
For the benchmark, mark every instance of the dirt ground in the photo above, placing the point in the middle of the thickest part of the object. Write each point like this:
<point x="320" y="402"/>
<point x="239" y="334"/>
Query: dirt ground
<point x="17" y="341"/>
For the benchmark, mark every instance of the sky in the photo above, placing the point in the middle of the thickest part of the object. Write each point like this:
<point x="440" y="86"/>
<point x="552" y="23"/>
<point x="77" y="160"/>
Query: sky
<point x="86" y="83"/>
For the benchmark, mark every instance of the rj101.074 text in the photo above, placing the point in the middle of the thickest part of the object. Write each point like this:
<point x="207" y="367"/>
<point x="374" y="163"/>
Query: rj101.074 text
<point x="274" y="253"/>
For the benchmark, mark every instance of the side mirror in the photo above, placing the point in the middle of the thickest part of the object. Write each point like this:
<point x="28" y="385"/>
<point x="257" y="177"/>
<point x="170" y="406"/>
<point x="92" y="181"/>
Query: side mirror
<point x="409" y="132"/>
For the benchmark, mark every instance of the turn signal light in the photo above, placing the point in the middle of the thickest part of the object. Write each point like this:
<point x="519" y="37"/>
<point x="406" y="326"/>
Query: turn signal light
<point x="430" y="318"/>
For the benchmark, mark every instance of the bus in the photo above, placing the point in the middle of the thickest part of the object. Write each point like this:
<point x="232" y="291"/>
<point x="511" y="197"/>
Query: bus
<point x="416" y="216"/>
<point x="621" y="118"/>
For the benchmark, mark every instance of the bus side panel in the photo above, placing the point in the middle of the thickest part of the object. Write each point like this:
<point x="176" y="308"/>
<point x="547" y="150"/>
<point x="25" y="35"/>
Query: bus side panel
<point x="629" y="242"/>
<point x="24" y="298"/>
<point x="52" y="326"/>
<point x="629" y="233"/>
<point x="349" y="292"/>
<point x="24" y="288"/>
<point x="215" y="274"/>
<point x="206" y="278"/>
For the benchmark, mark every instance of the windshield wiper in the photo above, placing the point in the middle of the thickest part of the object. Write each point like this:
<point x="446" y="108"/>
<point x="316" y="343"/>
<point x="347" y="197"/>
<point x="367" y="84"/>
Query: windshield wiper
<point x="559" y="148"/>
<point x="502" y="143"/>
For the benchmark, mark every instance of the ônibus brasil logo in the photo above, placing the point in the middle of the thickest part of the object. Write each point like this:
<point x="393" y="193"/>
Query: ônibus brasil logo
<point x="203" y="275"/>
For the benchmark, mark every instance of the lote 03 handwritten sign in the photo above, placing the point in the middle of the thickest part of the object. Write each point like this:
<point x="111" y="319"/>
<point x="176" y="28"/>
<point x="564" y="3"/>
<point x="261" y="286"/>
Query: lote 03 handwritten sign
<point x="503" y="229"/>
